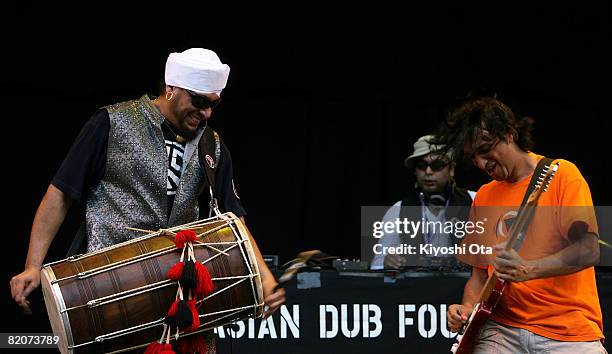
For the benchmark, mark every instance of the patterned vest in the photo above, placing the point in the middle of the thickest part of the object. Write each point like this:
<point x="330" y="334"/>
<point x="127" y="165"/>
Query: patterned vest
<point x="132" y="192"/>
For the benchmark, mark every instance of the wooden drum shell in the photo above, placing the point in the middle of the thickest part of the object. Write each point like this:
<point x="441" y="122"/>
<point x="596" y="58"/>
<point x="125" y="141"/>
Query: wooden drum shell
<point x="141" y="263"/>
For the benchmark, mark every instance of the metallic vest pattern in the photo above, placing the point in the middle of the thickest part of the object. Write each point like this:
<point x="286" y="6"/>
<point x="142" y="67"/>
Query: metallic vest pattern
<point x="132" y="192"/>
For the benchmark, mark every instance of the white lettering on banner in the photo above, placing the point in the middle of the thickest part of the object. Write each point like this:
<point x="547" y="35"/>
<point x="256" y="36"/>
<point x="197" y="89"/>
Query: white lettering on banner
<point x="221" y="332"/>
<point x="376" y="320"/>
<point x="323" y="310"/>
<point x="240" y="332"/>
<point x="292" y="321"/>
<point x="362" y="318"/>
<point x="433" y="319"/>
<point x="251" y="328"/>
<point x="267" y="327"/>
<point x="403" y="320"/>
<point x="427" y="313"/>
<point x="443" y="325"/>
<point x="344" y="321"/>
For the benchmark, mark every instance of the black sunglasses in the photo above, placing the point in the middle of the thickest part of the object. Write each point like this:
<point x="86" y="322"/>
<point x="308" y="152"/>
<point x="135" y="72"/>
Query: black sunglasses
<point x="202" y="102"/>
<point x="435" y="165"/>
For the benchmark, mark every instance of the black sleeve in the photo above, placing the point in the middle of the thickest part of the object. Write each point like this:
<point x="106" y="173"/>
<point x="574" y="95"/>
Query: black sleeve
<point x="226" y="193"/>
<point x="85" y="163"/>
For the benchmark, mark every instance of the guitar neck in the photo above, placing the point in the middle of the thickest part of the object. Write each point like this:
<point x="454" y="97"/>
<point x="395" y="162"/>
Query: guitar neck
<point x="487" y="289"/>
<point x="519" y="225"/>
<point x="515" y="232"/>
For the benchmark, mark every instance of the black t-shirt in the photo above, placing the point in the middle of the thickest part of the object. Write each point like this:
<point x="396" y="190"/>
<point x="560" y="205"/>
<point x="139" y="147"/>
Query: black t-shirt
<point x="175" y="152"/>
<point x="85" y="165"/>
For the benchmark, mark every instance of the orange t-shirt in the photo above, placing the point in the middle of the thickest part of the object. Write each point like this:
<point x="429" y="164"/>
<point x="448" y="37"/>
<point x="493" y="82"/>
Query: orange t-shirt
<point x="564" y="308"/>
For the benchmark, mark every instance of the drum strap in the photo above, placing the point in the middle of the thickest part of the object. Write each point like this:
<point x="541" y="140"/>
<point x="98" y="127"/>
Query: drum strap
<point x="79" y="243"/>
<point x="209" y="146"/>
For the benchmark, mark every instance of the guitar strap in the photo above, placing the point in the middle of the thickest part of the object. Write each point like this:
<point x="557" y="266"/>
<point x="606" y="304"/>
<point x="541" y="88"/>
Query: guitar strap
<point x="542" y="164"/>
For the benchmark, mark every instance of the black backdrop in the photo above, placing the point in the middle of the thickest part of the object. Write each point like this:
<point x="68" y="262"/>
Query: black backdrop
<point x="320" y="108"/>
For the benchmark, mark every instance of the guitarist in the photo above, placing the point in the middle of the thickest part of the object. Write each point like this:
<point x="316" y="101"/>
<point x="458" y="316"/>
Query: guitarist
<point x="550" y="303"/>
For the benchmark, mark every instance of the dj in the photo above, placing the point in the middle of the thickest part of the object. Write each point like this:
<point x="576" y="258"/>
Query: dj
<point x="435" y="198"/>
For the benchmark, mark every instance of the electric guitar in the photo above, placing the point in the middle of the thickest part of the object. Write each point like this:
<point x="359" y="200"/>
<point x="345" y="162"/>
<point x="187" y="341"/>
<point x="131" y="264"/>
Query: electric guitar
<point x="494" y="287"/>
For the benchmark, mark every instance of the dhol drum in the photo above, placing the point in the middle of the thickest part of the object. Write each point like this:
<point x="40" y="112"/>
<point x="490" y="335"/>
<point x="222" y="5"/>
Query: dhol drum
<point x="116" y="299"/>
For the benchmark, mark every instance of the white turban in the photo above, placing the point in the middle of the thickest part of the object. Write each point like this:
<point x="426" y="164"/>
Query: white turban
<point x="197" y="69"/>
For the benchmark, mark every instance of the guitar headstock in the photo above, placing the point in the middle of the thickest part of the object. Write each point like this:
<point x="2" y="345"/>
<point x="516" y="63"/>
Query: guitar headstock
<point x="543" y="182"/>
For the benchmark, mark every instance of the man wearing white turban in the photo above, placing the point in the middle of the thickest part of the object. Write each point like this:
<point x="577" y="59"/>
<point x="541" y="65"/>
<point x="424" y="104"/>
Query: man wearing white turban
<point x="127" y="154"/>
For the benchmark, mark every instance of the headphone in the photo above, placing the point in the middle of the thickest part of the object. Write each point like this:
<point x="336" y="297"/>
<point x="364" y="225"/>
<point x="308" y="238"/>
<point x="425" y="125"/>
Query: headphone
<point x="437" y="199"/>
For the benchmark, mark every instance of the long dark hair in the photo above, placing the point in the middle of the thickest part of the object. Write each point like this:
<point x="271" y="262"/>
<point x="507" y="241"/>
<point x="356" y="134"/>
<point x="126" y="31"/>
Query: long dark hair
<point x="469" y="118"/>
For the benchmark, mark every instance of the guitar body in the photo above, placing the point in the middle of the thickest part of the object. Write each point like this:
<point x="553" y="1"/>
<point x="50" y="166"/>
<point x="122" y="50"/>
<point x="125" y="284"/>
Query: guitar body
<point x="469" y="333"/>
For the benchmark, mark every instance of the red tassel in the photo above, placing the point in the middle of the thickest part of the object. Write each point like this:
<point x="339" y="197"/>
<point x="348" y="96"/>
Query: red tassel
<point x="205" y="284"/>
<point x="167" y="349"/>
<point x="179" y="315"/>
<point x="192" y="344"/>
<point x="154" y="348"/>
<point x="179" y="239"/>
<point x="174" y="273"/>
<point x="184" y="236"/>
<point x="190" y="235"/>
<point x="173" y="308"/>
<point x="195" y="324"/>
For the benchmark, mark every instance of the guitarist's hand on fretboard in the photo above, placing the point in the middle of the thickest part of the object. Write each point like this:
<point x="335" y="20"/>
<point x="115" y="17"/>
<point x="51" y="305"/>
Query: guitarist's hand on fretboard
<point x="510" y="266"/>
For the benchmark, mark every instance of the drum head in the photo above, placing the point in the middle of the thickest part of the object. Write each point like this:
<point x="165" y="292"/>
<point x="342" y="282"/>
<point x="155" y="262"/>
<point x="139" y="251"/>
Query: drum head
<point x="55" y="304"/>
<point x="252" y="259"/>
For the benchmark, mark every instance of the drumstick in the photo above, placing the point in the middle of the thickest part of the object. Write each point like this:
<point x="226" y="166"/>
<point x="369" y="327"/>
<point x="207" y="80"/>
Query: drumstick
<point x="148" y="231"/>
<point x="141" y="230"/>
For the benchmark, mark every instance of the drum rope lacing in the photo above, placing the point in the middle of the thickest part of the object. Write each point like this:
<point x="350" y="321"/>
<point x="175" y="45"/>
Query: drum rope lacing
<point x="218" y="248"/>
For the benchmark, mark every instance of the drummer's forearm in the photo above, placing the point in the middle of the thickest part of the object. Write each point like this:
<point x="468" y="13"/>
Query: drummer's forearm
<point x="48" y="219"/>
<point x="266" y="274"/>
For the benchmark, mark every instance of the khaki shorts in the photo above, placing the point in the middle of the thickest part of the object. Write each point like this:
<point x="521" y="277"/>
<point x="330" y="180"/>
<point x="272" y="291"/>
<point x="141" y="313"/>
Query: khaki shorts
<point x="496" y="338"/>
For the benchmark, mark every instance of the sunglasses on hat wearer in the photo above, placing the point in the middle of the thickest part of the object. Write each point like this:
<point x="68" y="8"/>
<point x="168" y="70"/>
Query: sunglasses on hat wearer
<point x="435" y="165"/>
<point x="202" y="102"/>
